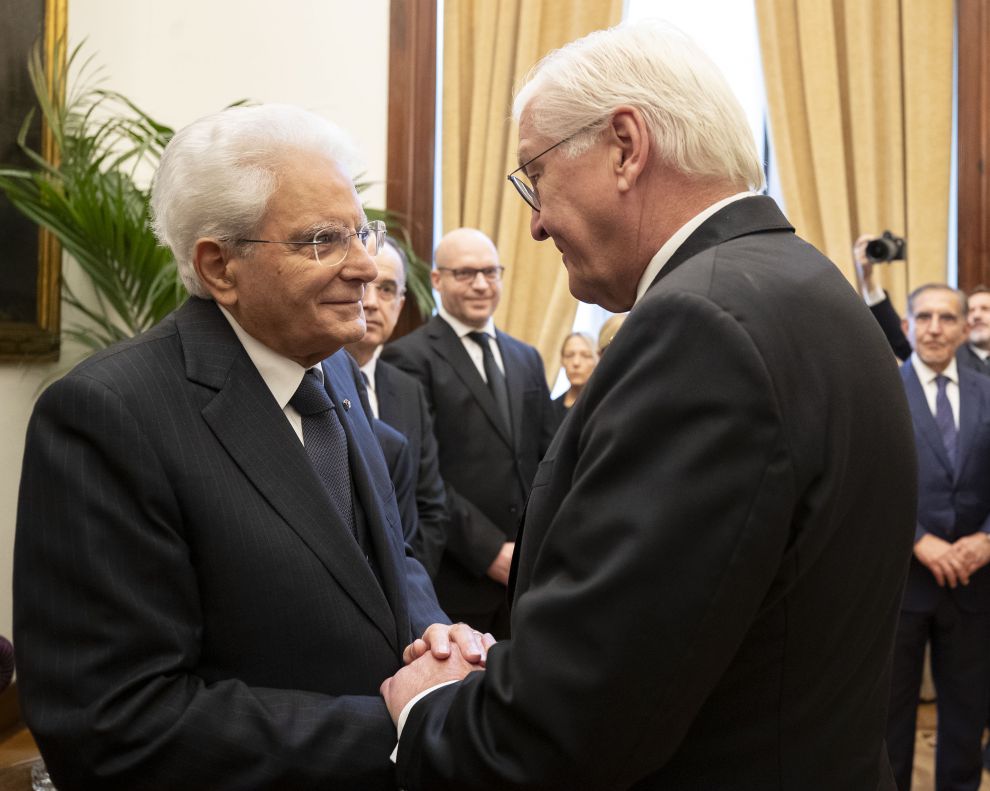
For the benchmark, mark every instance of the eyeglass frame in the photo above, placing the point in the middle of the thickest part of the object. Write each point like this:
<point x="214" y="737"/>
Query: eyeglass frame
<point x="527" y="192"/>
<point x="398" y="294"/>
<point x="458" y="273"/>
<point x="376" y="227"/>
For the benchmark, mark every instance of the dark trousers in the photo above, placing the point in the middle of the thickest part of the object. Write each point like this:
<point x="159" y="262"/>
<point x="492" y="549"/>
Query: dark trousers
<point x="960" y="644"/>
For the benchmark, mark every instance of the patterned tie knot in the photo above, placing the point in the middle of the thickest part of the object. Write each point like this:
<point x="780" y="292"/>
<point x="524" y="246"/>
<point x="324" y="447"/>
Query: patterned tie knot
<point x="311" y="397"/>
<point x="941" y="382"/>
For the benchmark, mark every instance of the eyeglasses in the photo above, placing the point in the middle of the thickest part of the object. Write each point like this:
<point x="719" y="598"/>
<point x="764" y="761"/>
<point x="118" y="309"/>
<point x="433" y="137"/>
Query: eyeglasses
<point x="522" y="183"/>
<point x="331" y="245"/>
<point x="388" y="290"/>
<point x="466" y="275"/>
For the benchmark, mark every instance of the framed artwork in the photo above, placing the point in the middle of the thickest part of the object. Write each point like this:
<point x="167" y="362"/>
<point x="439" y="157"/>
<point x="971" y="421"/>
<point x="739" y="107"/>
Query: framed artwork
<point x="30" y="259"/>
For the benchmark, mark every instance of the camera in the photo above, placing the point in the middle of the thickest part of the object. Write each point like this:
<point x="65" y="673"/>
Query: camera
<point x="885" y="248"/>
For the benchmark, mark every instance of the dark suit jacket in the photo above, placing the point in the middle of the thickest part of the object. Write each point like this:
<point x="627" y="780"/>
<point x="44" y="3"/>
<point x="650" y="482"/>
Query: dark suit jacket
<point x="951" y="503"/>
<point x="711" y="565"/>
<point x="488" y="474"/>
<point x="402" y="404"/>
<point x="186" y="613"/>
<point x="402" y="472"/>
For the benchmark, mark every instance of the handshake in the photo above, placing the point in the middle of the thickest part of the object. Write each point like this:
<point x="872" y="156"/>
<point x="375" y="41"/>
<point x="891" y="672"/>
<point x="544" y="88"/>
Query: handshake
<point x="442" y="655"/>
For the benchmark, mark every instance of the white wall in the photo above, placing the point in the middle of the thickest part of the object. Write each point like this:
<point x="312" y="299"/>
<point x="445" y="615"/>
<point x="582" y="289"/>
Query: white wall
<point x="181" y="59"/>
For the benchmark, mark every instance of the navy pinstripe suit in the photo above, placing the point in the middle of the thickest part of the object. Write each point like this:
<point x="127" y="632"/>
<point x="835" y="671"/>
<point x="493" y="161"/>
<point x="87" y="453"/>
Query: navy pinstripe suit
<point x="185" y="614"/>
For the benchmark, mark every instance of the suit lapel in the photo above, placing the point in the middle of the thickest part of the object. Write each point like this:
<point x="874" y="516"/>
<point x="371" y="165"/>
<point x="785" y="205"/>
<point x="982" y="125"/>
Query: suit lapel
<point x="515" y="365"/>
<point x="924" y="421"/>
<point x="451" y="348"/>
<point x="248" y="423"/>
<point x="969" y="416"/>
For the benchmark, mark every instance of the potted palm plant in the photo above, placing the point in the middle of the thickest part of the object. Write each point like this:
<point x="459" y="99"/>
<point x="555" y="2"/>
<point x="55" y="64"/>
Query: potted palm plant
<point x="94" y="198"/>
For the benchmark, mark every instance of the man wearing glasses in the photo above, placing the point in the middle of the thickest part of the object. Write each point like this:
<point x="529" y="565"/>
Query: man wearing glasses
<point x="397" y="399"/>
<point x="493" y="421"/>
<point x="707" y="581"/>
<point x="209" y="579"/>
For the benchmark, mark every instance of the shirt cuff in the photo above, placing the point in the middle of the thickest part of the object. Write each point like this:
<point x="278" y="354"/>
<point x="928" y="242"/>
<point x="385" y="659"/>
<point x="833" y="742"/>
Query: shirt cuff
<point x="404" y="714"/>
<point x="874" y="296"/>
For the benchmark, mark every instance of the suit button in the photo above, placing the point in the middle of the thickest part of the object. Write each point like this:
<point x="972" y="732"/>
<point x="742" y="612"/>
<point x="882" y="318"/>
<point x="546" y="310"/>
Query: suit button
<point x="513" y="510"/>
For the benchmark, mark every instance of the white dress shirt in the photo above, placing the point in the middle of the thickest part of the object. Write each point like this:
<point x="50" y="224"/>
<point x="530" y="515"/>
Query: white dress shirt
<point x="927" y="377"/>
<point x="474" y="349"/>
<point x="368" y="369"/>
<point x="282" y="375"/>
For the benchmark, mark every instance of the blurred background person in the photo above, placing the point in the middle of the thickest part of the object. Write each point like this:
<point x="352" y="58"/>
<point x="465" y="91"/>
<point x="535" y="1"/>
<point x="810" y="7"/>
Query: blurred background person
<point x="608" y="330"/>
<point x="578" y="356"/>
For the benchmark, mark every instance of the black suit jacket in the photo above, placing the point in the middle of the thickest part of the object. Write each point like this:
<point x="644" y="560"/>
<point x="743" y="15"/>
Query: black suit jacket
<point x="712" y="559"/>
<point x="488" y="474"/>
<point x="402" y="404"/>
<point x="186" y="612"/>
<point x="952" y="502"/>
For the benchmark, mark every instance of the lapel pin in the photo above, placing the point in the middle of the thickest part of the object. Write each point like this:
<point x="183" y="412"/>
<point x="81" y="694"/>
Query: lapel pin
<point x="347" y="404"/>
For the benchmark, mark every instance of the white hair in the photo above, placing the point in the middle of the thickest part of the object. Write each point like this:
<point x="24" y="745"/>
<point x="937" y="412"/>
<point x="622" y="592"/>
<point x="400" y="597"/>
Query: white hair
<point x="217" y="175"/>
<point x="694" y="120"/>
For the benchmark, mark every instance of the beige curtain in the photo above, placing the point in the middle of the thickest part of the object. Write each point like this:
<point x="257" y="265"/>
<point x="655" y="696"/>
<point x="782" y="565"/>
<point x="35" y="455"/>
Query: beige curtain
<point x="488" y="47"/>
<point x="860" y="97"/>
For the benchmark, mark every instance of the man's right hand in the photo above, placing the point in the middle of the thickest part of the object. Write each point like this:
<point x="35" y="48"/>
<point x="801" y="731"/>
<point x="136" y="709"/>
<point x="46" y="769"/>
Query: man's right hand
<point x="499" y="569"/>
<point x="864" y="266"/>
<point x="937" y="556"/>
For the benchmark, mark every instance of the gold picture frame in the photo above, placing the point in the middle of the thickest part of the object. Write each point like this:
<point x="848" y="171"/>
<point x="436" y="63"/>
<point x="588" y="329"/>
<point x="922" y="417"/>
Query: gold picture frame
<point x="30" y="329"/>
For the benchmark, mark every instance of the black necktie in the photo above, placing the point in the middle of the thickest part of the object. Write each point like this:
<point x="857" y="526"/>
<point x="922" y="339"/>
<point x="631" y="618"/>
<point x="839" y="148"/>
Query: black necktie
<point x="944" y="419"/>
<point x="496" y="379"/>
<point x="326" y="444"/>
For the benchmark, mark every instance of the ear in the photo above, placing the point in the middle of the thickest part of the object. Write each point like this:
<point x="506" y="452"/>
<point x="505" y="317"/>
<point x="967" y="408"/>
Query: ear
<point x="904" y="326"/>
<point x="630" y="146"/>
<point x="213" y="267"/>
<point x="435" y="278"/>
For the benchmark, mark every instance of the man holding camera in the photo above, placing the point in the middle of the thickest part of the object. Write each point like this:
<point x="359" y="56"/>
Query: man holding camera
<point x="869" y="250"/>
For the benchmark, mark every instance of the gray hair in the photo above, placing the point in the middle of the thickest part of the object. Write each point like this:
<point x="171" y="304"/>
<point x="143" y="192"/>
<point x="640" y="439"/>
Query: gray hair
<point x="695" y="121"/>
<point x="960" y="296"/>
<point x="217" y="175"/>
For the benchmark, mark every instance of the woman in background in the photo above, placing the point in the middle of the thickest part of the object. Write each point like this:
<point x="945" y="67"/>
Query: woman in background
<point x="578" y="356"/>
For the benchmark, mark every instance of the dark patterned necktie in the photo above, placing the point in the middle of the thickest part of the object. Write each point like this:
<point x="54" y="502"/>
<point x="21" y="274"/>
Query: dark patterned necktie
<point x="945" y="420"/>
<point x="326" y="444"/>
<point x="496" y="379"/>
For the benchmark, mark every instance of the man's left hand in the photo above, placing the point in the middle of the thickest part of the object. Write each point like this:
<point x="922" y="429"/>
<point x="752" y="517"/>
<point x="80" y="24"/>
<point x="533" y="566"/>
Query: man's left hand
<point x="420" y="675"/>
<point x="437" y="640"/>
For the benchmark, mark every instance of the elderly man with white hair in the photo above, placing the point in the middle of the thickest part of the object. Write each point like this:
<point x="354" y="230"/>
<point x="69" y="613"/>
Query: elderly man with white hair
<point x="210" y="581"/>
<point x="706" y="584"/>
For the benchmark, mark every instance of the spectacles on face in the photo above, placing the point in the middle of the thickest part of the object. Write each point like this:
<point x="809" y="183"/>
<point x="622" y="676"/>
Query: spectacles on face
<point x="467" y="275"/>
<point x="522" y="182"/>
<point x="388" y="290"/>
<point x="330" y="246"/>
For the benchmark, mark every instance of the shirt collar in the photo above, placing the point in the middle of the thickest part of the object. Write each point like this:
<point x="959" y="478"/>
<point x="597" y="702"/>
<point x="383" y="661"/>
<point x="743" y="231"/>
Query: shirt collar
<point x="677" y="239"/>
<point x="927" y="375"/>
<point x="463" y="329"/>
<point x="281" y="374"/>
<point x="368" y="369"/>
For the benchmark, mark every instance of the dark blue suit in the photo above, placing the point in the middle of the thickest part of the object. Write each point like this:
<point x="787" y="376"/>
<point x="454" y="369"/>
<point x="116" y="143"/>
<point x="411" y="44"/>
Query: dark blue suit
<point x="188" y="613"/>
<point x="952" y="502"/>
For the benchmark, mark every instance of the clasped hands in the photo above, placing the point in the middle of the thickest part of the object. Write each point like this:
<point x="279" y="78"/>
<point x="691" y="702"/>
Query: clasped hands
<point x="953" y="563"/>
<point x="444" y="653"/>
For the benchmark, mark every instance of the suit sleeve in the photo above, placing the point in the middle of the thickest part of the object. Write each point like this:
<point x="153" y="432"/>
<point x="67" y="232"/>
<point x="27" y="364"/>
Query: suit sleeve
<point x="672" y="499"/>
<point x="890" y="323"/>
<point x="108" y="627"/>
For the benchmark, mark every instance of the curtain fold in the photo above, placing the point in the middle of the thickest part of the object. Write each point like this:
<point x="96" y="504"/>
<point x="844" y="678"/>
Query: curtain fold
<point x="488" y="49"/>
<point x="860" y="103"/>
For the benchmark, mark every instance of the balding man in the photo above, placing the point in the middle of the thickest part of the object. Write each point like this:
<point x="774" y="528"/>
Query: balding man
<point x="493" y="422"/>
